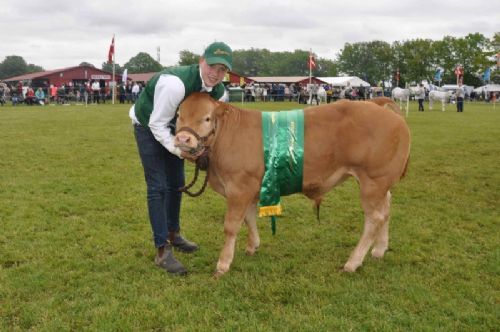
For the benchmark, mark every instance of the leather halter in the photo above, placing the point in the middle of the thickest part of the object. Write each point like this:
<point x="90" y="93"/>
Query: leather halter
<point x="201" y="140"/>
<point x="201" y="162"/>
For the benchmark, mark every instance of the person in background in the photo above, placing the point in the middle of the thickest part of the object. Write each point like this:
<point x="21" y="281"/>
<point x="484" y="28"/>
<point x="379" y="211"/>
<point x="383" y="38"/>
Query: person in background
<point x="420" y="95"/>
<point x="153" y="118"/>
<point x="460" y="94"/>
<point x="29" y="96"/>
<point x="40" y="96"/>
<point x="136" y="89"/>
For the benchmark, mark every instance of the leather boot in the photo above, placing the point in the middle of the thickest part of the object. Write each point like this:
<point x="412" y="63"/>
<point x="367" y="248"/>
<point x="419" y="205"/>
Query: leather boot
<point x="181" y="243"/>
<point x="166" y="260"/>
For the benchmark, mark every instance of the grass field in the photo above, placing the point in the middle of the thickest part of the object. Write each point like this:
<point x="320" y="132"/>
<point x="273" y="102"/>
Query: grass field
<point x="76" y="250"/>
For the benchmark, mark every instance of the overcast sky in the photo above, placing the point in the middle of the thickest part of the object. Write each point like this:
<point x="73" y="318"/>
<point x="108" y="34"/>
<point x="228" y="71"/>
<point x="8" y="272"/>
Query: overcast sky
<point x="56" y="34"/>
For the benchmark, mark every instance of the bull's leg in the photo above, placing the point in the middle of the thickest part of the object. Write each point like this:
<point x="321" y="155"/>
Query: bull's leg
<point x="253" y="233"/>
<point x="232" y="222"/>
<point x="382" y="238"/>
<point x="375" y="204"/>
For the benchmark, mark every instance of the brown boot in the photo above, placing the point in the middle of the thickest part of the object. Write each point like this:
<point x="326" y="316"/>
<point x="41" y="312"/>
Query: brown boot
<point x="166" y="260"/>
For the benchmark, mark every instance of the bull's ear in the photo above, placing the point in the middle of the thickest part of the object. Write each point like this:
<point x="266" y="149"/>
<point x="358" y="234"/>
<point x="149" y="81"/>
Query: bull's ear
<point x="221" y="109"/>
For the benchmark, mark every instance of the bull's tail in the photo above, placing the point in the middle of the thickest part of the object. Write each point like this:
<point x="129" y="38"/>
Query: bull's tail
<point x="317" y="204"/>
<point x="405" y="169"/>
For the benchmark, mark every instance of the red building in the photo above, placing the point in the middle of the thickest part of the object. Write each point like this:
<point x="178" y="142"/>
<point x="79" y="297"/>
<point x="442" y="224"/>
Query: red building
<point x="72" y="76"/>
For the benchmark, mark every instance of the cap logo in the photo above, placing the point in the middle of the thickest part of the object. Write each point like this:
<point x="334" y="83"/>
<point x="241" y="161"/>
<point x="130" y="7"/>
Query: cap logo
<point x="220" y="52"/>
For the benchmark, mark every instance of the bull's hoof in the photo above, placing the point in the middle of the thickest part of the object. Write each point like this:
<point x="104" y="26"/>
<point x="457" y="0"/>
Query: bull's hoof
<point x="250" y="251"/>
<point x="349" y="268"/>
<point x="218" y="274"/>
<point x="378" y="253"/>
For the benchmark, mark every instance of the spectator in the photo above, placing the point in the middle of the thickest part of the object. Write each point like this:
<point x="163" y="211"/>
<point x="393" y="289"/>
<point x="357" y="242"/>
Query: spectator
<point x="29" y="96"/>
<point x="420" y="95"/>
<point x="136" y="89"/>
<point x="40" y="96"/>
<point x="460" y="93"/>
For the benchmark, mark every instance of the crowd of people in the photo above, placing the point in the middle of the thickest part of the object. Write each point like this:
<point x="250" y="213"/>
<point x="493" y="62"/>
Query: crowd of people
<point x="93" y="91"/>
<point x="302" y="93"/>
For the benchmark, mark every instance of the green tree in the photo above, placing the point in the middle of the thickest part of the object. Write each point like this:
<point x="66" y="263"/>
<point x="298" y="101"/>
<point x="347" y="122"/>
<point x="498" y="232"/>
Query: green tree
<point x="86" y="64"/>
<point x="414" y="58"/>
<point x="142" y="63"/>
<point x="188" y="58"/>
<point x="371" y="61"/>
<point x="106" y="66"/>
<point x="14" y="65"/>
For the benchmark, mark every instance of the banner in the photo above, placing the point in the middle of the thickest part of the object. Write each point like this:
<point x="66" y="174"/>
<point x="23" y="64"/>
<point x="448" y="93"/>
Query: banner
<point x="437" y="75"/>
<point x="486" y="75"/>
<point x="111" y="51"/>
<point x="312" y="63"/>
<point x="124" y="76"/>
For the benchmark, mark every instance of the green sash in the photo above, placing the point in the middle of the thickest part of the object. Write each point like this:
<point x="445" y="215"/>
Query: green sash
<point x="283" y="140"/>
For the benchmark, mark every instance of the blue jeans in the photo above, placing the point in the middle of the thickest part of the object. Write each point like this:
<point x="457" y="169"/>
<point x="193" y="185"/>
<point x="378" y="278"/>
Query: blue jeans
<point x="164" y="174"/>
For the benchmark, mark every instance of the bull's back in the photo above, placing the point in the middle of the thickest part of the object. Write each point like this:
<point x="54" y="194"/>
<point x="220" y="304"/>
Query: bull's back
<point x="353" y="136"/>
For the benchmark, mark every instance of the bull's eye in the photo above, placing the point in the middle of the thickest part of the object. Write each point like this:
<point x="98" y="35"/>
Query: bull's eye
<point x="207" y="119"/>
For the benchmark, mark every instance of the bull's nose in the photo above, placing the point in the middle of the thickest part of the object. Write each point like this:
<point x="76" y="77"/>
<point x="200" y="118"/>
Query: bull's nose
<point x="182" y="139"/>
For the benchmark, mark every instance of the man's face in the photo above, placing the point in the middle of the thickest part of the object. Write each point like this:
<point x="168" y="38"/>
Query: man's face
<point x="212" y="74"/>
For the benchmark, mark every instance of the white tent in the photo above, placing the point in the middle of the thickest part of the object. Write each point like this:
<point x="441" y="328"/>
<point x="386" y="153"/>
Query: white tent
<point x="488" y="88"/>
<point x="353" y="81"/>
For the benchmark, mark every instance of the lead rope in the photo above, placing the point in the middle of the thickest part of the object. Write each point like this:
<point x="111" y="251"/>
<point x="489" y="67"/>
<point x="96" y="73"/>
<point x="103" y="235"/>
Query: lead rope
<point x="201" y="163"/>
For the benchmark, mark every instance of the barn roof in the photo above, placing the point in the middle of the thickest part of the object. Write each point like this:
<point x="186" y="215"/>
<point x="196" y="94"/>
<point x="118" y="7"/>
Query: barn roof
<point x="43" y="74"/>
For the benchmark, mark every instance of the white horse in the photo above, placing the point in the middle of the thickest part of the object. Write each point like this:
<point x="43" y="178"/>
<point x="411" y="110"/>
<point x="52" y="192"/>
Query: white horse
<point x="402" y="95"/>
<point x="442" y="96"/>
<point x="322" y="94"/>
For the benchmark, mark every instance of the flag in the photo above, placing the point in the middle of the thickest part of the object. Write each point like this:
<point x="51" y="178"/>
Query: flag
<point x="437" y="75"/>
<point x="312" y="63"/>
<point x="487" y="74"/>
<point x="111" y="52"/>
<point x="124" y="76"/>
<point x="459" y="71"/>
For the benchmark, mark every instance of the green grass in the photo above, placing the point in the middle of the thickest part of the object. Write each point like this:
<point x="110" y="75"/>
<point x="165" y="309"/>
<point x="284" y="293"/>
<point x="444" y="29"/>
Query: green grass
<point x="76" y="250"/>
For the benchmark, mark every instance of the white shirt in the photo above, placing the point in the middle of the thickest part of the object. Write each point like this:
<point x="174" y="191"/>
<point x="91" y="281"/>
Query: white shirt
<point x="169" y="93"/>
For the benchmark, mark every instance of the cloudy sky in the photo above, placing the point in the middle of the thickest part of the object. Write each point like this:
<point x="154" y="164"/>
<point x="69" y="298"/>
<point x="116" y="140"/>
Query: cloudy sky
<point x="55" y="34"/>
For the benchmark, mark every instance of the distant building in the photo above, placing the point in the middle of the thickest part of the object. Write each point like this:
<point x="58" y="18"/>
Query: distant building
<point x="68" y="76"/>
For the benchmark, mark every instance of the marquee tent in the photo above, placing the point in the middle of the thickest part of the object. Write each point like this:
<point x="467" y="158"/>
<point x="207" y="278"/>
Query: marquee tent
<point x="341" y="81"/>
<point x="488" y="88"/>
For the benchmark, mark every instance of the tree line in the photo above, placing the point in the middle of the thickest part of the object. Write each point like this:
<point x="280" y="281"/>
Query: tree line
<point x="373" y="61"/>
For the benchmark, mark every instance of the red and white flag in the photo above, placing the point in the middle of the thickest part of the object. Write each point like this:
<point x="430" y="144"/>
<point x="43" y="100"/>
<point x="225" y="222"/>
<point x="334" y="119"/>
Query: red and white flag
<point x="111" y="51"/>
<point x="459" y="71"/>
<point x="312" y="63"/>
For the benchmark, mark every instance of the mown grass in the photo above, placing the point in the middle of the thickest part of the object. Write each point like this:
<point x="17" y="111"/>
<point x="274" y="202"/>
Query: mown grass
<point x="76" y="250"/>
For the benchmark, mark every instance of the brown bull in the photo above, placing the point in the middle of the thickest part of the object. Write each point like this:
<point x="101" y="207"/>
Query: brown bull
<point x="360" y="139"/>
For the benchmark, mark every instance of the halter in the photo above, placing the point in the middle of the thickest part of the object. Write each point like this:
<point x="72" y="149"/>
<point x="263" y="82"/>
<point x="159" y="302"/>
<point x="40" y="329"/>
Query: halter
<point x="201" y="140"/>
<point x="201" y="162"/>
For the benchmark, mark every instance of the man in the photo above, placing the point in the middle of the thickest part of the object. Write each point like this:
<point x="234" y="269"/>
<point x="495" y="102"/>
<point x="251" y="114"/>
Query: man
<point x="420" y="95"/>
<point x="153" y="116"/>
<point x="460" y="94"/>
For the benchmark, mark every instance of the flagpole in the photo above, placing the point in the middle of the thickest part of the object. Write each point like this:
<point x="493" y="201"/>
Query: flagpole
<point x="114" y="82"/>
<point x="310" y="66"/>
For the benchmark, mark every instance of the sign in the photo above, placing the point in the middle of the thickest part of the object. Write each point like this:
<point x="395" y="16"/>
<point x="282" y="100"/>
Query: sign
<point x="100" y="77"/>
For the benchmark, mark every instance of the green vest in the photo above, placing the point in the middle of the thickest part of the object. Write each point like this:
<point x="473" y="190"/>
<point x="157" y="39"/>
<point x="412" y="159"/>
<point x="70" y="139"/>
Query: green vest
<point x="190" y="77"/>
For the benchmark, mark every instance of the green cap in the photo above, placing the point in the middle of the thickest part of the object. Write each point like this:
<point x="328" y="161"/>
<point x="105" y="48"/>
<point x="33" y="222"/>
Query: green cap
<point x="219" y="52"/>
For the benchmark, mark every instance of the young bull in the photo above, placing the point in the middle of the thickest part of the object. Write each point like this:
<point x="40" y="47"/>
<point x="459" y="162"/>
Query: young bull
<point x="360" y="139"/>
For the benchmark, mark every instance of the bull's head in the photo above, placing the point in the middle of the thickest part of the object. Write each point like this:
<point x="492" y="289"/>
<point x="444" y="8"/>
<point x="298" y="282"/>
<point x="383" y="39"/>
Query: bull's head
<point x="196" y="123"/>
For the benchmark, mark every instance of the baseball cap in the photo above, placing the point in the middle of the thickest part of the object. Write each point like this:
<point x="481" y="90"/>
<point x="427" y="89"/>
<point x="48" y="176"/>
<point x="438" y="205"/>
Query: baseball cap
<point x="219" y="52"/>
